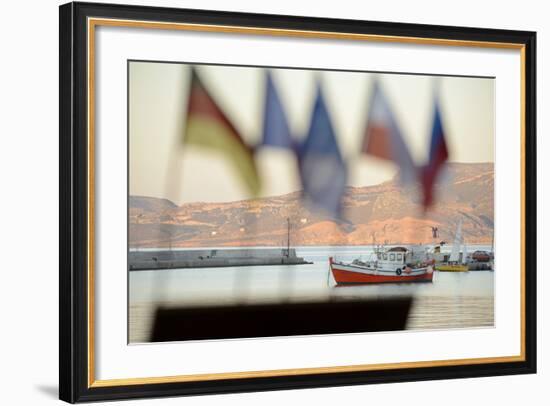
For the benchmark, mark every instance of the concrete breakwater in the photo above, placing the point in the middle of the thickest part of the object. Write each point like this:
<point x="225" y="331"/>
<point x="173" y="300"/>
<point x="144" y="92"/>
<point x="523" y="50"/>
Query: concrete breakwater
<point x="170" y="259"/>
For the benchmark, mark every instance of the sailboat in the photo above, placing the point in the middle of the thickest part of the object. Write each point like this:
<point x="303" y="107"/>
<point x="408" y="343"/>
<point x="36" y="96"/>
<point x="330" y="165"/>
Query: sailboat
<point x="455" y="262"/>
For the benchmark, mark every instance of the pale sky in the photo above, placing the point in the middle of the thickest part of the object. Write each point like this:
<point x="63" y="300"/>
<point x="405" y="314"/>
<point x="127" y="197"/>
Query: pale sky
<point x="162" y="166"/>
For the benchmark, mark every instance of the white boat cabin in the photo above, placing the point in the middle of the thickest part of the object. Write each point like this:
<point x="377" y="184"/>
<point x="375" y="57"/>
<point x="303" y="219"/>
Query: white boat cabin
<point x="393" y="257"/>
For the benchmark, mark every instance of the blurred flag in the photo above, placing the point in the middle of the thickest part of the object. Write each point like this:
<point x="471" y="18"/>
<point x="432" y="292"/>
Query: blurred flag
<point x="276" y="132"/>
<point x="383" y="138"/>
<point x="437" y="158"/>
<point x="322" y="168"/>
<point x="208" y="126"/>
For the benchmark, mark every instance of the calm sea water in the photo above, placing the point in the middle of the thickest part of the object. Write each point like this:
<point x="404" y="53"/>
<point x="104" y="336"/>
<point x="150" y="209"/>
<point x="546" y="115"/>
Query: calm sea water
<point x="453" y="300"/>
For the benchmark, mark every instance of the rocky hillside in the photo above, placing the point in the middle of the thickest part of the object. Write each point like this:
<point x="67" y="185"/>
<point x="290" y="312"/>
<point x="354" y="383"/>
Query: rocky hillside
<point x="382" y="213"/>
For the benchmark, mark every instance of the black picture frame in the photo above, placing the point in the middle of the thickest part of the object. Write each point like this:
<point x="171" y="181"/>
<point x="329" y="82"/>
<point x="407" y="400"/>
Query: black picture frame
<point x="75" y="383"/>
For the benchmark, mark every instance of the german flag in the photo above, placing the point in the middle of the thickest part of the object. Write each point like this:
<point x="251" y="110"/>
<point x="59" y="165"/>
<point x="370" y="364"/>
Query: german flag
<point x="208" y="126"/>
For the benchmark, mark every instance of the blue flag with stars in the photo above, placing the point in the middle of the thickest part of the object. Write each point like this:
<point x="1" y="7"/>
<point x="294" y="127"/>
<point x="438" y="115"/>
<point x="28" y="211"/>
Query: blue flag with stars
<point x="322" y="169"/>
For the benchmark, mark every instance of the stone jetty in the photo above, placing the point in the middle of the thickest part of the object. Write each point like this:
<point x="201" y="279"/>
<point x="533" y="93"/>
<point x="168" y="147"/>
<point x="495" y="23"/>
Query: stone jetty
<point x="170" y="259"/>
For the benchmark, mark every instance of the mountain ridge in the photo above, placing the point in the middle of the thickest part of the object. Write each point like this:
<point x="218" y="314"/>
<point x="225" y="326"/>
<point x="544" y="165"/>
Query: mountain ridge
<point x="386" y="212"/>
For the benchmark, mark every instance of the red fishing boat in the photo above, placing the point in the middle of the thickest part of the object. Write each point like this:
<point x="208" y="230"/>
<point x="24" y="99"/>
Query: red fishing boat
<point x="397" y="264"/>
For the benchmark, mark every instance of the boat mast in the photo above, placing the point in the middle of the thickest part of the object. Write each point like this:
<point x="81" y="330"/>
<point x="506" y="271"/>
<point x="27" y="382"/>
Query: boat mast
<point x="456" y="245"/>
<point x="288" y="237"/>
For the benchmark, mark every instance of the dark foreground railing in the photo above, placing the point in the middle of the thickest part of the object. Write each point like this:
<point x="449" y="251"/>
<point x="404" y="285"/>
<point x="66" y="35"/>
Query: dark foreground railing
<point x="267" y="320"/>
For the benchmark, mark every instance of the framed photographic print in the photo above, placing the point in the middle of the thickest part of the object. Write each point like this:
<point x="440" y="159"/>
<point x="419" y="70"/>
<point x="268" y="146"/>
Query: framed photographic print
<point x="257" y="202"/>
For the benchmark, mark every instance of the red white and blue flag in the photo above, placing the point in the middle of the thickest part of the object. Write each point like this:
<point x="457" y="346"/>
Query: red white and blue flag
<point x="437" y="158"/>
<point x="383" y="139"/>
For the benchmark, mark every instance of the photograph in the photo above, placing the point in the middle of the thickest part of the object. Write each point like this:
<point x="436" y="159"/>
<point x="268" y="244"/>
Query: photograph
<point x="277" y="201"/>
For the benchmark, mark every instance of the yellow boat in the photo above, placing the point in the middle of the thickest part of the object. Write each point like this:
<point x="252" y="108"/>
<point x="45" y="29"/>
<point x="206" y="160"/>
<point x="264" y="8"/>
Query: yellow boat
<point x="452" y="268"/>
<point x="455" y="263"/>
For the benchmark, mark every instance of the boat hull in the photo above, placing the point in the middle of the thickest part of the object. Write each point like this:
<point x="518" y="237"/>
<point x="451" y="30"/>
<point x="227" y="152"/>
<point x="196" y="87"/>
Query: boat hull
<point x="345" y="274"/>
<point x="452" y="268"/>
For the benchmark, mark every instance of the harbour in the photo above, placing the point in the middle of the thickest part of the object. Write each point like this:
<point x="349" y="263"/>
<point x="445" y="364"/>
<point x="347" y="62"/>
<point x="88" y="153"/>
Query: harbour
<point x="453" y="300"/>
